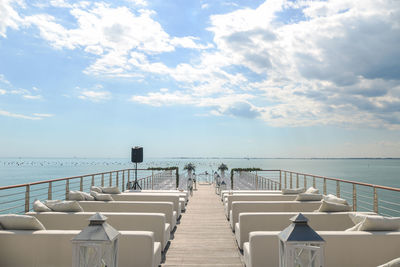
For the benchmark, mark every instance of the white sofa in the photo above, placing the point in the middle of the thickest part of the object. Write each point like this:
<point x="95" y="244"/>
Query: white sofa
<point x="174" y="198"/>
<point x="269" y="206"/>
<point x="53" y="248"/>
<point x="227" y="192"/>
<point x="277" y="221"/>
<point x="255" y="197"/>
<point x="184" y="193"/>
<point x="166" y="208"/>
<point x="344" y="249"/>
<point x="153" y="222"/>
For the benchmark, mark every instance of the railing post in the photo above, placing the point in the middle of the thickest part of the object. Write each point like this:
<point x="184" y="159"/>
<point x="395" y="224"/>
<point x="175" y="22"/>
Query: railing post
<point x="375" y="200"/>
<point x="354" y="198"/>
<point x="129" y="175"/>
<point x="305" y="181"/>
<point x="110" y="180"/>
<point x="291" y="180"/>
<point x="27" y="196"/>
<point x="337" y="188"/>
<point x="313" y="182"/>
<point x="49" y="192"/>
<point x="102" y="179"/>
<point x="123" y="181"/>
<point x="285" y="181"/>
<point x="66" y="189"/>
<point x="256" y="181"/>
<point x="81" y="184"/>
<point x="324" y="186"/>
<point x="152" y="180"/>
<point x="297" y="180"/>
<point x="92" y="180"/>
<point x="117" y="179"/>
<point x="280" y="180"/>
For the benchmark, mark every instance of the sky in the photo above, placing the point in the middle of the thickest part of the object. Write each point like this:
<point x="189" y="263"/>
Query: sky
<point x="237" y="78"/>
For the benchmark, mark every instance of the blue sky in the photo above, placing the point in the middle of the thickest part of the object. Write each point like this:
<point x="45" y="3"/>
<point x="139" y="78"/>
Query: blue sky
<point x="274" y="78"/>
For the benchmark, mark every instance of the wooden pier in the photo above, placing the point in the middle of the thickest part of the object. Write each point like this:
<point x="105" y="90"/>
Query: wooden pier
<point x="203" y="237"/>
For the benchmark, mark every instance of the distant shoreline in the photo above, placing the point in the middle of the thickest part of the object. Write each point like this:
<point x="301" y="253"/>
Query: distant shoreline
<point x="239" y="158"/>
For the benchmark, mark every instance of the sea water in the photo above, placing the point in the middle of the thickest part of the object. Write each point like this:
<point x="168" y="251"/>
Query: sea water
<point x="375" y="171"/>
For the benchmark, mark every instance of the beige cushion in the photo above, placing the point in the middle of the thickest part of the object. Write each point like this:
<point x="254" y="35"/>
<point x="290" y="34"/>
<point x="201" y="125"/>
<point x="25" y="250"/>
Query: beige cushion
<point x="392" y="263"/>
<point x="20" y="222"/>
<point x="101" y="197"/>
<point x="111" y="190"/>
<point x="288" y="191"/>
<point x="87" y="196"/>
<point x="96" y="189"/>
<point x="308" y="197"/>
<point x="354" y="228"/>
<point x="380" y="223"/>
<point x="359" y="217"/>
<point x="64" y="206"/>
<point x="312" y="190"/>
<point x="335" y="199"/>
<point x="38" y="206"/>
<point x="75" y="195"/>
<point x="79" y="196"/>
<point x="327" y="206"/>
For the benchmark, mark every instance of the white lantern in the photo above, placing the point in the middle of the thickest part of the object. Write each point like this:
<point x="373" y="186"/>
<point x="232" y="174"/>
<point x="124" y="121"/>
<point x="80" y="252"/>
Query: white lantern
<point x="96" y="245"/>
<point x="300" y="245"/>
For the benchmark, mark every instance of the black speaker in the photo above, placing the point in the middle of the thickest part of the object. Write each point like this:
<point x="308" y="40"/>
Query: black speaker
<point x="137" y="154"/>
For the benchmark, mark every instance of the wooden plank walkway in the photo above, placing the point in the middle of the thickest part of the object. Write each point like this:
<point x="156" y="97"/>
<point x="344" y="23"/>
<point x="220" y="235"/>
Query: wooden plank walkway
<point x="203" y="237"/>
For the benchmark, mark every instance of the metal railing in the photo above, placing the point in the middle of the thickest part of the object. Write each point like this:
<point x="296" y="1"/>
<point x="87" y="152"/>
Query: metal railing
<point x="361" y="196"/>
<point x="19" y="198"/>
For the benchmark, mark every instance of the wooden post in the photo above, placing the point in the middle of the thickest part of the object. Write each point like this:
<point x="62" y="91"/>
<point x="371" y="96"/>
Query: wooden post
<point x="67" y="189"/>
<point x="305" y="181"/>
<point x="123" y="181"/>
<point x="152" y="180"/>
<point x="117" y="179"/>
<point x="49" y="192"/>
<point x="297" y="180"/>
<point x="314" y="182"/>
<point x="92" y="180"/>
<point x="256" y="181"/>
<point x="337" y="188"/>
<point x="285" y="180"/>
<point x="324" y="186"/>
<point x="291" y="186"/>
<point x="27" y="196"/>
<point x="280" y="180"/>
<point x="102" y="179"/>
<point x="375" y="200"/>
<point x="354" y="198"/>
<point x="110" y="181"/>
<point x="81" y="184"/>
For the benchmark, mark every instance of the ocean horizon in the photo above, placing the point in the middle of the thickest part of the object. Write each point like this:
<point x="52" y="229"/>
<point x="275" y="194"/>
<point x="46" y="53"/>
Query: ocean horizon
<point x="380" y="171"/>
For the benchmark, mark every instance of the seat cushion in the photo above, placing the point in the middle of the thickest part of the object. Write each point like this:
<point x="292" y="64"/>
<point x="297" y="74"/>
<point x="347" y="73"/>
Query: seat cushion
<point x="20" y="222"/>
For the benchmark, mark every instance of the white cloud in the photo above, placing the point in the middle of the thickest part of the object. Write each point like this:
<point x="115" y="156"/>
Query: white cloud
<point x="33" y="97"/>
<point x="9" y="17"/>
<point x="43" y="115"/>
<point x="94" y="96"/>
<point x="3" y="92"/>
<point x="35" y="116"/>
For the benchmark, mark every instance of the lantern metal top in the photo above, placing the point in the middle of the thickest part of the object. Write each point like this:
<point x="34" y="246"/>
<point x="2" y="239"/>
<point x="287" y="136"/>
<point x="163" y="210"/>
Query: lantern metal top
<point x="98" y="230"/>
<point x="299" y="231"/>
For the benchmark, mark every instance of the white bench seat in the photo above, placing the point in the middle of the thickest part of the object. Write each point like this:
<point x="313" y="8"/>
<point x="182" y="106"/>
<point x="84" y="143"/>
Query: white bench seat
<point x="153" y="222"/>
<point x="344" y="249"/>
<point x="50" y="248"/>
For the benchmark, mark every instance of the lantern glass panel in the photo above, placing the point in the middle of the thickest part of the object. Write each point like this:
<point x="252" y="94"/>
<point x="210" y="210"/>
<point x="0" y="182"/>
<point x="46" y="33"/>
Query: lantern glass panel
<point x="307" y="256"/>
<point x="97" y="255"/>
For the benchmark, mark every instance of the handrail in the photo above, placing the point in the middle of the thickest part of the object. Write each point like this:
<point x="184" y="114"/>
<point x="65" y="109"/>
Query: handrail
<point x="344" y="181"/>
<point x="354" y="195"/>
<point x="66" y="178"/>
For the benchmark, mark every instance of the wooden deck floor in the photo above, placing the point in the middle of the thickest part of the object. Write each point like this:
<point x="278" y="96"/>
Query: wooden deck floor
<point x="203" y="237"/>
